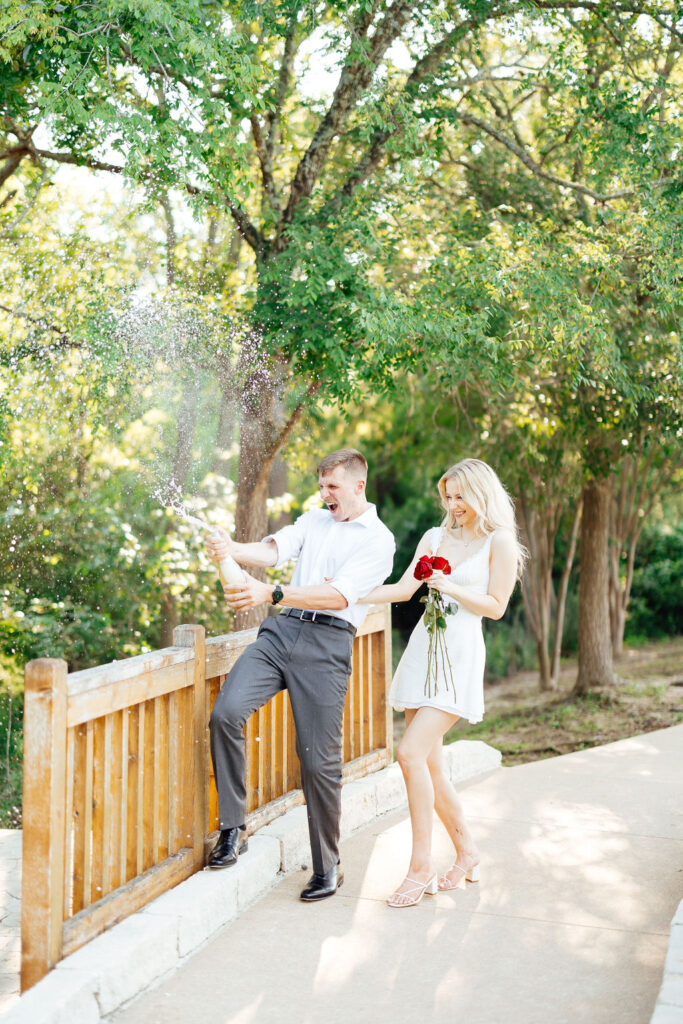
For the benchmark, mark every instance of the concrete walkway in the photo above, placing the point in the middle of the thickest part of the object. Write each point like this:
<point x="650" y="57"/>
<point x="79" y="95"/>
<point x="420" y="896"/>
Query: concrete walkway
<point x="10" y="916"/>
<point x="582" y="870"/>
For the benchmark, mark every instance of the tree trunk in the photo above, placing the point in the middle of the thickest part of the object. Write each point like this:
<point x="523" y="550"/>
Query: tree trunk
<point x="255" y="461"/>
<point x="277" y="485"/>
<point x="596" y="667"/>
<point x="537" y="589"/>
<point x="562" y="596"/>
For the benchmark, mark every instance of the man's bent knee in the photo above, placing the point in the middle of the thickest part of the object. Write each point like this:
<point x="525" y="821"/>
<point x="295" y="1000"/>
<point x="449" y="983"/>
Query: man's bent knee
<point x="228" y="713"/>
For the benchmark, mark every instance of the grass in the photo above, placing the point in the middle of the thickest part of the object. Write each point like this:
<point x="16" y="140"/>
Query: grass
<point x="528" y="725"/>
<point x="11" y="756"/>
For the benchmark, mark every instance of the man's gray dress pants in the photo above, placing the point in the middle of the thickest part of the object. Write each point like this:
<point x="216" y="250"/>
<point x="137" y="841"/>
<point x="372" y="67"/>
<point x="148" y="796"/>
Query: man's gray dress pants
<point x="313" y="662"/>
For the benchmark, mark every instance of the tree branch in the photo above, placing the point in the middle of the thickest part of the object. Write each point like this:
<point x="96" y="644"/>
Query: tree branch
<point x="65" y="341"/>
<point x="248" y="230"/>
<point x="283" y="437"/>
<point x="425" y="67"/>
<point x="265" y="163"/>
<point x="13" y="159"/>
<point x="356" y="75"/>
<point x="281" y="90"/>
<point x="525" y="157"/>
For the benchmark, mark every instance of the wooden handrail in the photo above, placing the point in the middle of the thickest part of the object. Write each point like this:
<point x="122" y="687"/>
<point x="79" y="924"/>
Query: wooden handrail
<point x="119" y="801"/>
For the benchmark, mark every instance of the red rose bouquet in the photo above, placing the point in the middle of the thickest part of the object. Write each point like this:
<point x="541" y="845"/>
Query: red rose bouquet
<point x="435" y="623"/>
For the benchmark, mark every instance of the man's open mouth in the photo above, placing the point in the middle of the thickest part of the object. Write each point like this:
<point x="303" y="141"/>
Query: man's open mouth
<point x="332" y="505"/>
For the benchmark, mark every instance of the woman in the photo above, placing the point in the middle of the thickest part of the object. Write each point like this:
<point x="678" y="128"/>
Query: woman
<point x="478" y="538"/>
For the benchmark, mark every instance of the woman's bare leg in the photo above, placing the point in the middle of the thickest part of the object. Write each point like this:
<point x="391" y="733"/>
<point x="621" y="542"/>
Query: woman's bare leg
<point x="449" y="809"/>
<point x="425" y="727"/>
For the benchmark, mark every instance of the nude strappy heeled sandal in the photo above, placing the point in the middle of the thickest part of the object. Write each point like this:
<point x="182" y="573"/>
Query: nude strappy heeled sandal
<point x="412" y="897"/>
<point x="472" y="875"/>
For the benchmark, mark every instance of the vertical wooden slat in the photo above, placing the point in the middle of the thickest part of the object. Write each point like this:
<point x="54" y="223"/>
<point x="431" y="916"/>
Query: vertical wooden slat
<point x="106" y="804"/>
<point x="378" y="691"/>
<point x="123" y="802"/>
<point x="132" y="769"/>
<point x="79" y="816"/>
<point x="69" y="823"/>
<point x="98" y="811"/>
<point x="272" y="752"/>
<point x="88" y="804"/>
<point x="294" y="776"/>
<point x="196" y="733"/>
<point x="261" y="740"/>
<point x="213" y="689"/>
<point x="150" y="761"/>
<point x="195" y="824"/>
<point x="140" y="787"/>
<point x="359" y="703"/>
<point x="252" y="752"/>
<point x="384" y="673"/>
<point x="279" y="744"/>
<point x="112" y="878"/>
<point x="176" y="737"/>
<point x="347" y="728"/>
<point x="368" y="682"/>
<point x="44" y="810"/>
<point x="162" y="779"/>
<point x="156" y="744"/>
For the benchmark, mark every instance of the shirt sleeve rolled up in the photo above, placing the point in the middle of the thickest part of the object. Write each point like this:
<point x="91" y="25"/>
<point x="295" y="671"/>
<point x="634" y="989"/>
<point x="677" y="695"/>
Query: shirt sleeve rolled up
<point x="365" y="569"/>
<point x="289" y="540"/>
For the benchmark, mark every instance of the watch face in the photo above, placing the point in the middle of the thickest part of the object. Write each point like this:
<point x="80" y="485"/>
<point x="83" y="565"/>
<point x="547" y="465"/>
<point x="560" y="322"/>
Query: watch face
<point x="277" y="595"/>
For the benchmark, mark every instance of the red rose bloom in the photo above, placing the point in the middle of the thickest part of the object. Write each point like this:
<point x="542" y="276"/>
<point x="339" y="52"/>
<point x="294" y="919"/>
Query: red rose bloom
<point x="423" y="570"/>
<point x="441" y="565"/>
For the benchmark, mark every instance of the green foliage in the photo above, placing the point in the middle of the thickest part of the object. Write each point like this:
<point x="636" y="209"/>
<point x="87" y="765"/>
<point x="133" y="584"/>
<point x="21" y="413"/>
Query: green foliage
<point x="11" y="746"/>
<point x="656" y="606"/>
<point x="510" y="647"/>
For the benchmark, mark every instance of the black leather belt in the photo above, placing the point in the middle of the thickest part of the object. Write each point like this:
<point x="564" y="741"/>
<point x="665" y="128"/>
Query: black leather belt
<point x="322" y="617"/>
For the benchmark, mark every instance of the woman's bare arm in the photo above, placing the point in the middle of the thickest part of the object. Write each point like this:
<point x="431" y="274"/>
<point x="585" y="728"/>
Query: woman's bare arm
<point x="406" y="586"/>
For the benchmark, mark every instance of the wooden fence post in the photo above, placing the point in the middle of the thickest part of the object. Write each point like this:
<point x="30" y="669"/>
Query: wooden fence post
<point x="385" y="685"/>
<point x="194" y="636"/>
<point x="44" y="803"/>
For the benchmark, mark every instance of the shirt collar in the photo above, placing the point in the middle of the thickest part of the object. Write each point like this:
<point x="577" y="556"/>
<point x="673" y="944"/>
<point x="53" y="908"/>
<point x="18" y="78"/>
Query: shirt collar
<point x="366" y="518"/>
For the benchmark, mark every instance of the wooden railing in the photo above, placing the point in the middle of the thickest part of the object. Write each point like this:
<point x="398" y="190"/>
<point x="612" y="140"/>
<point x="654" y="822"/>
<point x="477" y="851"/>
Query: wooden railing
<point x="119" y="802"/>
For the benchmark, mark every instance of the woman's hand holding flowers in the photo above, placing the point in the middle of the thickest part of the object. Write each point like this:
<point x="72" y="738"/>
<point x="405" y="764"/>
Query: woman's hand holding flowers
<point x="439" y="581"/>
<point x="434" y="571"/>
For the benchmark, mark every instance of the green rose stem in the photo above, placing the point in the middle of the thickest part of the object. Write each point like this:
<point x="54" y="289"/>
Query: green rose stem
<point x="435" y="624"/>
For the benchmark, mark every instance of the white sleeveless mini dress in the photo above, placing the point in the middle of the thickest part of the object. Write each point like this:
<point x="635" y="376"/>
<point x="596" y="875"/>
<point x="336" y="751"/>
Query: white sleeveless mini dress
<point x="464" y="641"/>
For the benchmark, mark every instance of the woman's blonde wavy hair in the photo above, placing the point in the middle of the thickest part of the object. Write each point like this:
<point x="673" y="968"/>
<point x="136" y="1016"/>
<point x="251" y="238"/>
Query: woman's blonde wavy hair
<point x="481" y="488"/>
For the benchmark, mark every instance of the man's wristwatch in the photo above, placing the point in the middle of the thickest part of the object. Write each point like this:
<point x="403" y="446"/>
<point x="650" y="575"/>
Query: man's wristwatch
<point x="277" y="594"/>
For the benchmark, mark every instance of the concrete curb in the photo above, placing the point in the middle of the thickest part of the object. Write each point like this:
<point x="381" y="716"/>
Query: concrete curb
<point x="669" y="1005"/>
<point x="120" y="964"/>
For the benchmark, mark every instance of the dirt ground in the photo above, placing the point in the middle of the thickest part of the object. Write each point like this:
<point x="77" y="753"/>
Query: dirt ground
<point x="526" y="724"/>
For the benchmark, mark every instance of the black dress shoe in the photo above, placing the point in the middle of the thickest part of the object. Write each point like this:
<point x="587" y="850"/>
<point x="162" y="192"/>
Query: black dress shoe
<point x="228" y="848"/>
<point x="321" y="886"/>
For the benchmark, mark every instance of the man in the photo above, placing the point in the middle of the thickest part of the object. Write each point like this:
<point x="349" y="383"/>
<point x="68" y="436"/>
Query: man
<point x="343" y="551"/>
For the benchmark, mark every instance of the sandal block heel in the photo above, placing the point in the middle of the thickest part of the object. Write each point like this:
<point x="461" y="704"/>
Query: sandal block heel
<point x="473" y="874"/>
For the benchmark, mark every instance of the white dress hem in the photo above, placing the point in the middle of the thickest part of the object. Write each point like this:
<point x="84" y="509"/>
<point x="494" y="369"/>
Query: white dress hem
<point x="450" y="710"/>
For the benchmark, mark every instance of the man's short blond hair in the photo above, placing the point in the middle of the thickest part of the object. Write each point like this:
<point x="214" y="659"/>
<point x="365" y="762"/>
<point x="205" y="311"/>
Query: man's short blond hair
<point x="352" y="461"/>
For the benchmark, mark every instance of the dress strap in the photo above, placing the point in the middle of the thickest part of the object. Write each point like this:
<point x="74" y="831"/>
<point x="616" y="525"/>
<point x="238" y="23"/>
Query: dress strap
<point x="436" y="538"/>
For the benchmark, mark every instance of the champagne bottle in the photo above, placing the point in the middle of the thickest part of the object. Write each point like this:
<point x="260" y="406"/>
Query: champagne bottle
<point x="229" y="571"/>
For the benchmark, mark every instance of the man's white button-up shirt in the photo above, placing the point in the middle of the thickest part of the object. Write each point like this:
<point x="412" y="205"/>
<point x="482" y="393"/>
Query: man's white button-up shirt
<point x="353" y="557"/>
